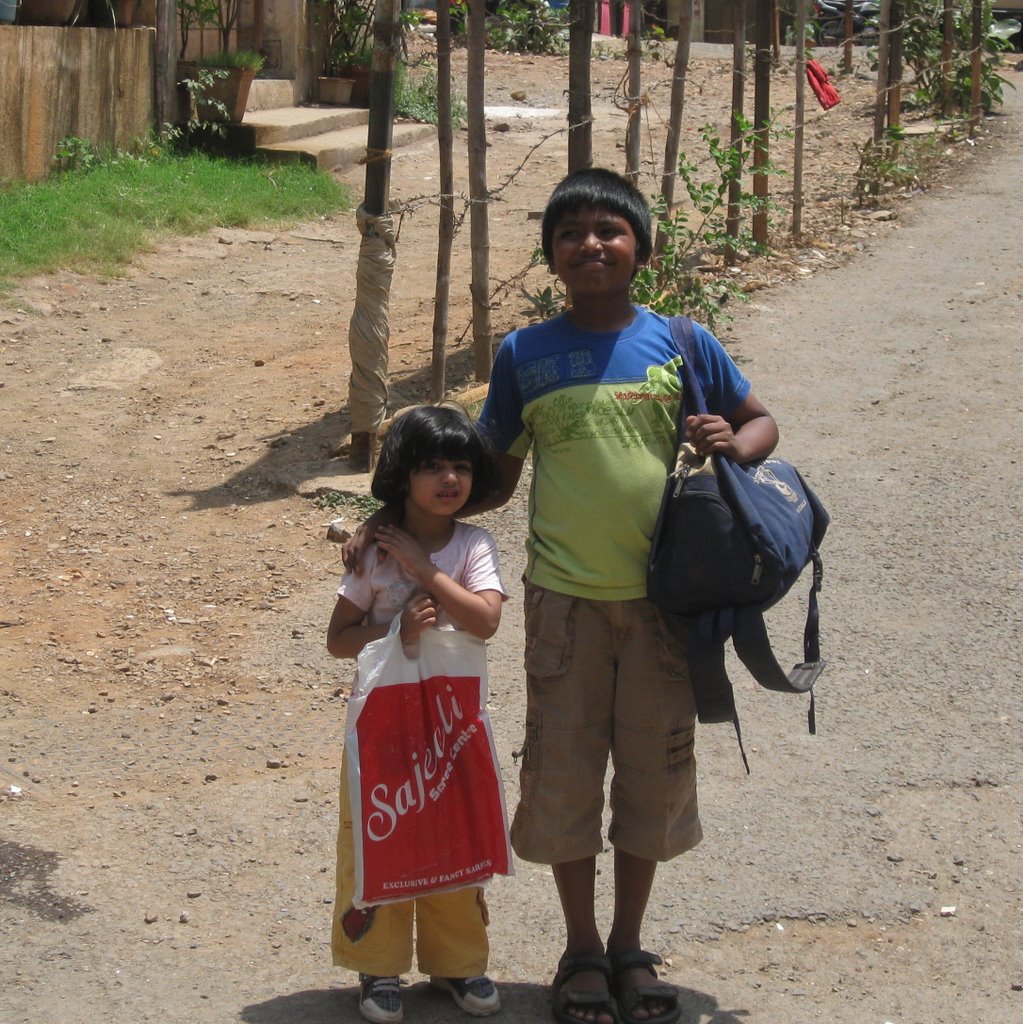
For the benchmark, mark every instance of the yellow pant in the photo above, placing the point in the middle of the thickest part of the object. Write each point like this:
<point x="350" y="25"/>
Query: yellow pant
<point x="450" y="928"/>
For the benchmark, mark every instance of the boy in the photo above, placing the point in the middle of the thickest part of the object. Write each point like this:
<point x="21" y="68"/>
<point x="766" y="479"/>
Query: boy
<point x="595" y="394"/>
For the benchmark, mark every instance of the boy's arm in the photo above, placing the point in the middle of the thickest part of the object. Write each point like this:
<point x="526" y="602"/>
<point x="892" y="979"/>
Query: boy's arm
<point x="748" y="433"/>
<point x="349" y="632"/>
<point x="509" y="469"/>
<point x="365" y="533"/>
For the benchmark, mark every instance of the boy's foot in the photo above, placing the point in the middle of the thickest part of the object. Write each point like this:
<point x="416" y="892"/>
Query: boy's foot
<point x="380" y="999"/>
<point x="477" y="995"/>
<point x="637" y="987"/>
<point x="581" y="1005"/>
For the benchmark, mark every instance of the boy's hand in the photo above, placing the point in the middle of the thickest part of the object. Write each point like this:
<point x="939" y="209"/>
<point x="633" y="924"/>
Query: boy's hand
<point x="365" y="533"/>
<point x="413" y="559"/>
<point x="708" y="434"/>
<point x="417" y="616"/>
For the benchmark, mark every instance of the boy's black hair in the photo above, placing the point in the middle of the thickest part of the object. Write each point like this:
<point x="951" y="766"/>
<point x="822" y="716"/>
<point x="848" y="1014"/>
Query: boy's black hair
<point x="593" y="187"/>
<point x="429" y="432"/>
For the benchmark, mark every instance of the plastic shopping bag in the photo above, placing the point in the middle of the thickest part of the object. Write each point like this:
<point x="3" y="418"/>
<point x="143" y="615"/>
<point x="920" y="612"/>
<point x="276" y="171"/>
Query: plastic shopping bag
<point x="428" y="810"/>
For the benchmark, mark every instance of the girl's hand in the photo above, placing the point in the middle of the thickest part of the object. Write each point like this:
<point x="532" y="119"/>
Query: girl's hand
<point x="708" y="433"/>
<point x="418" y="615"/>
<point x="393" y="540"/>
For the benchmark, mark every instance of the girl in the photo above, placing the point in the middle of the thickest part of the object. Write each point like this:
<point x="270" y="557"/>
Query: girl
<point x="434" y="571"/>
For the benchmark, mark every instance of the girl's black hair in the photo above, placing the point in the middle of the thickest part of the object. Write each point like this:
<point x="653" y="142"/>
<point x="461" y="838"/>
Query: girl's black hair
<point x="598" y="187"/>
<point x="429" y="432"/>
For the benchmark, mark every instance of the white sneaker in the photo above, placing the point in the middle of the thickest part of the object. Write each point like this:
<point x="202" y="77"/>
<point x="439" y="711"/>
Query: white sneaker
<point x="380" y="999"/>
<point x="477" y="996"/>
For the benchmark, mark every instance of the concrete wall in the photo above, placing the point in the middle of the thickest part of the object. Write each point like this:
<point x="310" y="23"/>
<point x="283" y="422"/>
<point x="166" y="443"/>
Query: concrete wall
<point x="96" y="84"/>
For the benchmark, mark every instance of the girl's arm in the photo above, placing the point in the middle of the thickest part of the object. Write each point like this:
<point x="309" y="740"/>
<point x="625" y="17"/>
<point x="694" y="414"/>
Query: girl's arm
<point x="749" y="433"/>
<point x="349" y="632"/>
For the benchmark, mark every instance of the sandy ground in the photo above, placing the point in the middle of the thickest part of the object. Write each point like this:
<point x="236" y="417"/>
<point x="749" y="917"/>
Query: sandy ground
<point x="171" y="720"/>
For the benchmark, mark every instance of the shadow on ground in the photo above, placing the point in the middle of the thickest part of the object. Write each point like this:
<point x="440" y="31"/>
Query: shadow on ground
<point x="426" y="1005"/>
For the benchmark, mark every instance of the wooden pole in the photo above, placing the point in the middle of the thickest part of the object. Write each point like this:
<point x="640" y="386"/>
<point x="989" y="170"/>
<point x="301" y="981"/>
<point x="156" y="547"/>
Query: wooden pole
<point x="634" y="126"/>
<point x="446" y="219"/>
<point x="948" y="41"/>
<point x="479" y="194"/>
<point x="386" y="40"/>
<point x="797" y="159"/>
<point x="895" y="64"/>
<point x="166" y="85"/>
<point x="881" y="97"/>
<point x="580" y="110"/>
<point x="672" y="142"/>
<point x="976" y="56"/>
<point x="761" y="118"/>
<point x="847" y="44"/>
<point x="738" y="98"/>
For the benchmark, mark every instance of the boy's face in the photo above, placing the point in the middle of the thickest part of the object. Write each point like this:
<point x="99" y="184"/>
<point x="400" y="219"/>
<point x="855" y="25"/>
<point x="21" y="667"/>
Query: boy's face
<point x="594" y="252"/>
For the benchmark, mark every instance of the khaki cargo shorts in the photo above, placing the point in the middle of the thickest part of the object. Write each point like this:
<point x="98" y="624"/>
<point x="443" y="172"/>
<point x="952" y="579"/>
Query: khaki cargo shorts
<point x="605" y="679"/>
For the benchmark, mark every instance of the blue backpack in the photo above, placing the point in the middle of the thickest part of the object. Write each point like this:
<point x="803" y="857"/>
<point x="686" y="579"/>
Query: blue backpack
<point x="730" y="542"/>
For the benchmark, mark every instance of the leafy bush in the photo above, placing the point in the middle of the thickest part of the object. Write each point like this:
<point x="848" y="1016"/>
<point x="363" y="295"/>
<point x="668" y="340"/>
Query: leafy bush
<point x="922" y="43"/>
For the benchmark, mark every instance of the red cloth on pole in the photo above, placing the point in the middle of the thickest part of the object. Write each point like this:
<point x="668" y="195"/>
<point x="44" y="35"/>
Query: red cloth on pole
<point x="821" y="85"/>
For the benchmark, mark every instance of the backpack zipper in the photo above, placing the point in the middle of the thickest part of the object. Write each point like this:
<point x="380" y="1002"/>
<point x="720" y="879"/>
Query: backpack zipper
<point x="758" y="569"/>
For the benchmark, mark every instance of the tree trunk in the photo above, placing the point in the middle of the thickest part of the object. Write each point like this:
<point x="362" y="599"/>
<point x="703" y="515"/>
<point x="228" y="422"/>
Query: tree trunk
<point x="976" y="56"/>
<point x="386" y="40"/>
<point x="479" y="221"/>
<point x="797" y="159"/>
<point x="881" y="101"/>
<point x="672" y="142"/>
<point x="948" y="43"/>
<point x="634" y="126"/>
<point x="738" y="102"/>
<point x="446" y="219"/>
<point x="761" y="118"/>
<point x="895" y="33"/>
<point x="580" y="111"/>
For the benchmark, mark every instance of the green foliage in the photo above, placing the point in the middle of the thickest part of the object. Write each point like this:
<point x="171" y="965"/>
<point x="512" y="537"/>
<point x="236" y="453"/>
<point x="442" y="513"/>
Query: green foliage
<point x="233" y="59"/>
<point x="75" y="154"/>
<point x="347" y="29"/>
<point x="544" y="304"/>
<point x="672" y="282"/>
<point x="200" y="98"/>
<point x="194" y="14"/>
<point x="523" y="26"/>
<point x="95" y="216"/>
<point x="358" y="506"/>
<point x="897" y="162"/>
<point x="415" y="97"/>
<point x="922" y="44"/>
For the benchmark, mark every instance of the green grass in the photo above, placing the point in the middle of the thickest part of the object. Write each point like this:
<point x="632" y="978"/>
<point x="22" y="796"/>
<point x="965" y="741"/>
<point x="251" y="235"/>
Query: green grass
<point x="95" y="220"/>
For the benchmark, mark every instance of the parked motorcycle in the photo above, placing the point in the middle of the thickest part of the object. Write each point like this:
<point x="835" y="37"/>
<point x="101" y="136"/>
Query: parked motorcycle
<point x="830" y="18"/>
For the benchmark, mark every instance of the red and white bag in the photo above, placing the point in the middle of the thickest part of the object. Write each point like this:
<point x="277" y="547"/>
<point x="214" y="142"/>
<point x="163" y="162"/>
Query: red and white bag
<point x="428" y="810"/>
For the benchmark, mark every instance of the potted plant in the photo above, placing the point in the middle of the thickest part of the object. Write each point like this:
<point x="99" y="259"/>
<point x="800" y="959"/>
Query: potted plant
<point x="230" y="73"/>
<point x="346" y="27"/>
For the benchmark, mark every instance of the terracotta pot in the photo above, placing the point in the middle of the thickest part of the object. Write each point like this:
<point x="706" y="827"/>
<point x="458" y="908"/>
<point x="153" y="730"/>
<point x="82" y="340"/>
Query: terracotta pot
<point x="335" y="91"/>
<point x="232" y="91"/>
<point x="360" y="88"/>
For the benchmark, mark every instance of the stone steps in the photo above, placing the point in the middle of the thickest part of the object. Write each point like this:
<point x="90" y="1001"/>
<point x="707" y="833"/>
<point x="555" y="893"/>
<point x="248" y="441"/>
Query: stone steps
<point x="329" y="138"/>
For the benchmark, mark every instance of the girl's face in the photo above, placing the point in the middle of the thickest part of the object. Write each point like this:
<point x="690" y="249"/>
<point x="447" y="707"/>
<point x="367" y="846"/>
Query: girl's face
<point x="594" y="252"/>
<point x="440" y="486"/>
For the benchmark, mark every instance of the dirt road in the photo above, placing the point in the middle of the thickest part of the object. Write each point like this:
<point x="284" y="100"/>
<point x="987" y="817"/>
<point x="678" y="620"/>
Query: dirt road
<point x="171" y="720"/>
